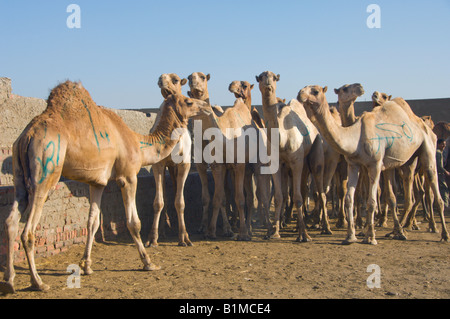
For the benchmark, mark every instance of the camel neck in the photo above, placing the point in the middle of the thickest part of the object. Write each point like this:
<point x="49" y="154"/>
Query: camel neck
<point x="343" y="140"/>
<point x="159" y="144"/>
<point x="270" y="109"/>
<point x="347" y="113"/>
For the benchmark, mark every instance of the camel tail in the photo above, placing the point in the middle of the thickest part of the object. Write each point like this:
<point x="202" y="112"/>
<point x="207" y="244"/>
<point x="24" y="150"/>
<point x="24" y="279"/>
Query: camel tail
<point x="21" y="171"/>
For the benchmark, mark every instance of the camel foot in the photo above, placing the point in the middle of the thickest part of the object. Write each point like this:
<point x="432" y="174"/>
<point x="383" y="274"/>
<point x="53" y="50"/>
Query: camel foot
<point x="303" y="239"/>
<point x="244" y="238"/>
<point x="210" y="237"/>
<point x="151" y="244"/>
<point x="432" y="228"/>
<point x="400" y="236"/>
<point x="7" y="288"/>
<point x="444" y="237"/>
<point x="39" y="287"/>
<point x="151" y="267"/>
<point x="326" y="232"/>
<point x="349" y="240"/>
<point x="229" y="234"/>
<point x="370" y="241"/>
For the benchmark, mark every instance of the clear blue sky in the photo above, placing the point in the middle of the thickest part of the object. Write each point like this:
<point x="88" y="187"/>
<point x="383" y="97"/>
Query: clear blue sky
<point x="124" y="46"/>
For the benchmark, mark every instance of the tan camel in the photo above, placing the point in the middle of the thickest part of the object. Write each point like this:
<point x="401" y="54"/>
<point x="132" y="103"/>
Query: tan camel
<point x="414" y="182"/>
<point x="243" y="90"/>
<point x="81" y="141"/>
<point x="171" y="84"/>
<point x="236" y="117"/>
<point x="299" y="141"/>
<point x="383" y="139"/>
<point x="347" y="96"/>
<point x="198" y="84"/>
<point x="379" y="98"/>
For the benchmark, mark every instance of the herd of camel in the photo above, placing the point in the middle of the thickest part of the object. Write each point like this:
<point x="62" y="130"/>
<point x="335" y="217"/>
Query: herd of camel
<point x="77" y="139"/>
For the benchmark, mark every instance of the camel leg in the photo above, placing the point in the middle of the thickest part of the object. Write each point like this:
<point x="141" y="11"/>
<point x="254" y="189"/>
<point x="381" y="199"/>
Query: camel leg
<point x="203" y="174"/>
<point x="374" y="180"/>
<point x="408" y="181"/>
<point x="239" y="176"/>
<point x="95" y="193"/>
<point x="353" y="176"/>
<point x="316" y="161"/>
<point x="391" y="201"/>
<point x="133" y="223"/>
<point x="158" y="204"/>
<point x="219" y="172"/>
<point x="249" y="188"/>
<point x="432" y="180"/>
<point x="36" y="199"/>
<point x="298" y="202"/>
<point x="12" y="230"/>
<point x="273" y="231"/>
<point x="182" y="174"/>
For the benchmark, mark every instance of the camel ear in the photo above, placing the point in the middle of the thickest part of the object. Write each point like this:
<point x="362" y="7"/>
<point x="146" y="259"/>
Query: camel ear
<point x="336" y="91"/>
<point x="183" y="82"/>
<point x="257" y="78"/>
<point x="390" y="97"/>
<point x="251" y="86"/>
<point x="189" y="94"/>
<point x="325" y="89"/>
<point x="208" y="76"/>
<point x="277" y="78"/>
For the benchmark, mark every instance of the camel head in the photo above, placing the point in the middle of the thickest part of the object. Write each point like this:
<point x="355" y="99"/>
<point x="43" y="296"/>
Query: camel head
<point x="241" y="89"/>
<point x="198" y="84"/>
<point x="379" y="98"/>
<point x="267" y="82"/>
<point x="428" y="121"/>
<point x="170" y="83"/>
<point x="349" y="93"/>
<point x="312" y="97"/>
<point x="185" y="107"/>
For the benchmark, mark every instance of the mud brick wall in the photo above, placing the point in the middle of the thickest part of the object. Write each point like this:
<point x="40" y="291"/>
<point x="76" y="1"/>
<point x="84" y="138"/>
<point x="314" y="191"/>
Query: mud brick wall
<point x="64" y="218"/>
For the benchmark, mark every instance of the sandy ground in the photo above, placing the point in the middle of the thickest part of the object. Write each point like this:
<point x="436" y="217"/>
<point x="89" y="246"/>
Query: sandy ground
<point x="260" y="269"/>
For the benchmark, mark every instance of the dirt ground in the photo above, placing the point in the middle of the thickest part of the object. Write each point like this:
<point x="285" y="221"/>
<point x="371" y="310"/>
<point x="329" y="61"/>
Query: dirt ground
<point x="260" y="269"/>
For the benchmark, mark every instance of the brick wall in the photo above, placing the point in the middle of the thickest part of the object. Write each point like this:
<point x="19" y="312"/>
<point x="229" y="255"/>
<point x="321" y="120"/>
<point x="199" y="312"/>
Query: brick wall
<point x="64" y="218"/>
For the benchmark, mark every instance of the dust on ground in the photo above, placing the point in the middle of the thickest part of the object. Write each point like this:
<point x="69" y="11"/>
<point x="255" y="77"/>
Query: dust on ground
<point x="260" y="269"/>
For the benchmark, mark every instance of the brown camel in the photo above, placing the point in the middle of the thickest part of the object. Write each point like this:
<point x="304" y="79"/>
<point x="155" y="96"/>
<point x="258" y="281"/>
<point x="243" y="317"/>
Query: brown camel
<point x="383" y="139"/>
<point x="81" y="141"/>
<point x="299" y="141"/>
<point x="171" y="84"/>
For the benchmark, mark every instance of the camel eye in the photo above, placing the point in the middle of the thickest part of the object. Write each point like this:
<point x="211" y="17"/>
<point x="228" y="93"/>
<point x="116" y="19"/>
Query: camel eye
<point x="345" y="90"/>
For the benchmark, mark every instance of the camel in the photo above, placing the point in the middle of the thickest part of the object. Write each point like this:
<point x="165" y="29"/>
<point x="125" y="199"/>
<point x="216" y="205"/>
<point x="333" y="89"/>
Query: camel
<point x="81" y="141"/>
<point x="171" y="84"/>
<point x="236" y="117"/>
<point x="299" y="141"/>
<point x="413" y="179"/>
<point x="242" y="89"/>
<point x="379" y="98"/>
<point x="383" y="139"/>
<point x="198" y="85"/>
<point x="347" y="95"/>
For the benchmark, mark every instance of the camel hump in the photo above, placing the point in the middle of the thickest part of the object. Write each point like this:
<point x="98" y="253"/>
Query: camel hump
<point x="70" y="95"/>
